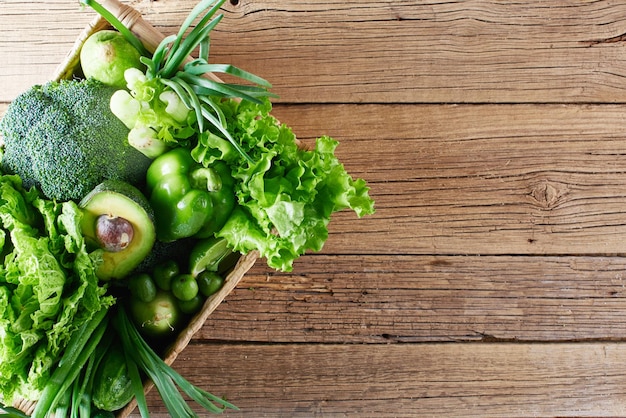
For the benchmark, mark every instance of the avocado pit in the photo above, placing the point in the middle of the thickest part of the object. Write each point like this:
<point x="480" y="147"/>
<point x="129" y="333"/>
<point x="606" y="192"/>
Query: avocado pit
<point x="114" y="233"/>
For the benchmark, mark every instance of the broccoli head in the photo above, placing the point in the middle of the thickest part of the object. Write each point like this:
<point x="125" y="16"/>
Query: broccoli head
<point x="62" y="138"/>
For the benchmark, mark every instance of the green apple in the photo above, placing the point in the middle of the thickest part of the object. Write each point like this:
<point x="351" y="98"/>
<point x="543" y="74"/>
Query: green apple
<point x="105" y="56"/>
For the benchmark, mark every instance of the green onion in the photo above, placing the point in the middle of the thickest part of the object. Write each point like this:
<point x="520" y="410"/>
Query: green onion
<point x="193" y="15"/>
<point x="208" y="101"/>
<point x="168" y="382"/>
<point x="203" y="52"/>
<point x="137" y="384"/>
<point x="206" y="113"/>
<point x="180" y="52"/>
<point x="81" y="395"/>
<point x="198" y="67"/>
<point x="207" y="87"/>
<point x="63" y="406"/>
<point x="10" y="412"/>
<point x="193" y="97"/>
<point x="170" y="64"/>
<point x="80" y="347"/>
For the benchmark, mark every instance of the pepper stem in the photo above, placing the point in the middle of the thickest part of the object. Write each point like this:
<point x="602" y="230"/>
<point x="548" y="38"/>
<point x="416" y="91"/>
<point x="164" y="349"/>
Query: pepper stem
<point x="206" y="177"/>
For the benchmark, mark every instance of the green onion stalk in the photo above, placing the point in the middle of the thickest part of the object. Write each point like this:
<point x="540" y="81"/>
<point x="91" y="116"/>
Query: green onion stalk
<point x="140" y="357"/>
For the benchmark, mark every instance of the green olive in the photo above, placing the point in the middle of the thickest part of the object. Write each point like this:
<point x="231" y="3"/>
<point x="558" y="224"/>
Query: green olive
<point x="142" y="287"/>
<point x="192" y="306"/>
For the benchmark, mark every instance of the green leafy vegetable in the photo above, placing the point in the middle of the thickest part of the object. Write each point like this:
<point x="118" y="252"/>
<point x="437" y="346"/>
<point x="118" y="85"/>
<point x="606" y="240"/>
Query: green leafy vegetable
<point x="48" y="287"/>
<point x="287" y="196"/>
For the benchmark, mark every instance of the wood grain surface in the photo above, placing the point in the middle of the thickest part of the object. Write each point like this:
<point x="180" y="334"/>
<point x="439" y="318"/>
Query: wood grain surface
<point x="379" y="51"/>
<point x="409" y="380"/>
<point x="491" y="280"/>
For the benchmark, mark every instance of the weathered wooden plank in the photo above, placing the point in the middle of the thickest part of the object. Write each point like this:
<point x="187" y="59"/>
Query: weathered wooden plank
<point x="494" y="223"/>
<point x="441" y="51"/>
<point x="373" y="51"/>
<point x="503" y="179"/>
<point x="378" y="299"/>
<point x="409" y="380"/>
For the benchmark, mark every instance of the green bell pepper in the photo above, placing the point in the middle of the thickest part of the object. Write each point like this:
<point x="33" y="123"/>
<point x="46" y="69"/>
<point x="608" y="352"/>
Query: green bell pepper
<point x="189" y="199"/>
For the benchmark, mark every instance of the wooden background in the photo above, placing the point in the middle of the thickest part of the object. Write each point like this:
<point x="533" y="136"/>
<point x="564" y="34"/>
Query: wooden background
<point x="491" y="281"/>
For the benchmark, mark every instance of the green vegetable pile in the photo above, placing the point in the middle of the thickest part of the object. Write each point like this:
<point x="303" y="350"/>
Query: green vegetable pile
<point x="122" y="209"/>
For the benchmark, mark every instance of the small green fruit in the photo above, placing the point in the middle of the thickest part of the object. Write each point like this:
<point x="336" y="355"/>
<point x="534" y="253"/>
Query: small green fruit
<point x="105" y="56"/>
<point x="185" y="287"/>
<point x="164" y="273"/>
<point x="209" y="282"/>
<point x="142" y="287"/>
<point x="161" y="317"/>
<point x="191" y="306"/>
<point x="207" y="255"/>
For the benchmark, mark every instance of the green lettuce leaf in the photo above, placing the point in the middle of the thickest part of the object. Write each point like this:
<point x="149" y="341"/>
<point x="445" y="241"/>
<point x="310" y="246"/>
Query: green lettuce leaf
<point x="287" y="195"/>
<point x="48" y="287"/>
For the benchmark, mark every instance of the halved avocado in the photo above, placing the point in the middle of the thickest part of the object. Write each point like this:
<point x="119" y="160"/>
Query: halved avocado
<point x="119" y="222"/>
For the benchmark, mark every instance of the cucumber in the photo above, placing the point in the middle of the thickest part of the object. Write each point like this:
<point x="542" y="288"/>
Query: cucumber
<point x="112" y="388"/>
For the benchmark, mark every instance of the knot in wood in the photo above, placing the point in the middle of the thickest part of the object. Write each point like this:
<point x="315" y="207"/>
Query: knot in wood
<point x="546" y="194"/>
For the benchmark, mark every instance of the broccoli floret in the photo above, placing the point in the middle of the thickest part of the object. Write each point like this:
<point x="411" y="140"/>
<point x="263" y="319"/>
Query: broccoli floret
<point x="63" y="138"/>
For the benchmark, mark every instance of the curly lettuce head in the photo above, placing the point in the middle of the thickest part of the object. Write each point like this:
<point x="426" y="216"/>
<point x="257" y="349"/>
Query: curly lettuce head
<point x="288" y="195"/>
